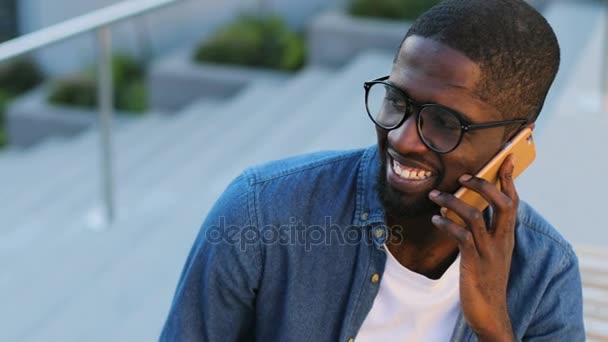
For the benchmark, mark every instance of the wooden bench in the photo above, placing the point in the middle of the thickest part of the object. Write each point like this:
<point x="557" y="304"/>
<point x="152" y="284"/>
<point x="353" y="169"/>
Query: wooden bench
<point x="593" y="263"/>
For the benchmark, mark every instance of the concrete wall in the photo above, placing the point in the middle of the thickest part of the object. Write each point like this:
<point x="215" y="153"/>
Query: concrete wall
<point x="151" y="35"/>
<point x="8" y="20"/>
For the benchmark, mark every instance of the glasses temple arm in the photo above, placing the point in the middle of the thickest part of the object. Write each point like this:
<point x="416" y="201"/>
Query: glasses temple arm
<point x="494" y="124"/>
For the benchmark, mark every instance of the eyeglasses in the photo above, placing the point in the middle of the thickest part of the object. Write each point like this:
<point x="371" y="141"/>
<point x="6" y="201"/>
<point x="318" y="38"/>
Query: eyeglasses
<point x="440" y="128"/>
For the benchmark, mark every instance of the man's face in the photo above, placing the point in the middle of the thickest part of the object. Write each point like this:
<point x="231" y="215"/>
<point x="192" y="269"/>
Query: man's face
<point x="431" y="72"/>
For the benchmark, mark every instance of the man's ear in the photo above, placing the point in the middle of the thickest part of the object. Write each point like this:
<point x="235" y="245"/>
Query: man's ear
<point x="531" y="125"/>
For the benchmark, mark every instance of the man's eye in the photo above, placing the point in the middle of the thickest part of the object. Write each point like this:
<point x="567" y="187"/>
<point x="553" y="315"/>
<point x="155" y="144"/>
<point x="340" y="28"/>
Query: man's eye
<point x="440" y="121"/>
<point x="398" y="104"/>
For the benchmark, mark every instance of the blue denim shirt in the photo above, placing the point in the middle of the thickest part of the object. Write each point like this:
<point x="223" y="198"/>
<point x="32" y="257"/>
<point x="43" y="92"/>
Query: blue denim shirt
<point x="293" y="249"/>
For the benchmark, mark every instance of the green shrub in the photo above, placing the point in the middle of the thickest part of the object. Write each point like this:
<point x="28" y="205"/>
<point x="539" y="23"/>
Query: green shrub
<point x="390" y="9"/>
<point x="126" y="70"/>
<point x="127" y="78"/>
<point x="19" y="76"/>
<point x="16" y="77"/>
<point x="4" y="98"/>
<point x="79" y="91"/>
<point x="255" y="42"/>
<point x="133" y="98"/>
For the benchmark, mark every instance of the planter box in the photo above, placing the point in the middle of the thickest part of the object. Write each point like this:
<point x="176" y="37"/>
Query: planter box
<point x="178" y="80"/>
<point x="334" y="37"/>
<point x="30" y="119"/>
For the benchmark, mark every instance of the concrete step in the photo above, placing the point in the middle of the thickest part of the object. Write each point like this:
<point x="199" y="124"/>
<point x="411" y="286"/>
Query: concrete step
<point x="58" y="198"/>
<point x="133" y="294"/>
<point x="196" y="158"/>
<point x="19" y="158"/>
<point x="326" y="122"/>
<point x="211" y="134"/>
<point x="80" y="203"/>
<point x="291" y="134"/>
<point x="49" y="168"/>
<point x="7" y="153"/>
<point x="52" y="159"/>
<point x="132" y="156"/>
<point x="130" y="147"/>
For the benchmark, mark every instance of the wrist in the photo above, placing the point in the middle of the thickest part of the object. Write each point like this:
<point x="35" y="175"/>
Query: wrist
<point x="502" y="331"/>
<point x="506" y="336"/>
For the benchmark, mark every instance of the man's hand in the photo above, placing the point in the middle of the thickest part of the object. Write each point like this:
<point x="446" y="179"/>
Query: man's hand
<point x="485" y="252"/>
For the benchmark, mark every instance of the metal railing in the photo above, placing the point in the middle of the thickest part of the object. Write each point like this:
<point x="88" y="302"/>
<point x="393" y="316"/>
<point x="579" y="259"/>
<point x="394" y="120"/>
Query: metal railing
<point x="99" y="21"/>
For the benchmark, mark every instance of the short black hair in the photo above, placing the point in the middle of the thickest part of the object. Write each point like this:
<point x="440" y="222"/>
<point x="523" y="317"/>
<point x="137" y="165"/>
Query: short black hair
<point x="514" y="45"/>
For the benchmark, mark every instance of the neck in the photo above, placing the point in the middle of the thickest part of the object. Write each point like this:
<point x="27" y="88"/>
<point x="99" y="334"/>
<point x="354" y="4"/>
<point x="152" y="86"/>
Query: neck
<point x="421" y="247"/>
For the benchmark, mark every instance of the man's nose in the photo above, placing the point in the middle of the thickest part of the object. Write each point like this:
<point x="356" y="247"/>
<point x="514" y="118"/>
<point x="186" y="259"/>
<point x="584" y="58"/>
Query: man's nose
<point x="405" y="138"/>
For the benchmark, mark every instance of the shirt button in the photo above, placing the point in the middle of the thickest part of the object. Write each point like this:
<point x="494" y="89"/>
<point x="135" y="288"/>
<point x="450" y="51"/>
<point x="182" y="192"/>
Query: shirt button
<point x="351" y="340"/>
<point x="375" y="278"/>
<point x="364" y="216"/>
<point x="379" y="232"/>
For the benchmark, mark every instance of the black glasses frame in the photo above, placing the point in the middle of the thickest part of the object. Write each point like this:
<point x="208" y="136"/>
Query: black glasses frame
<point x="465" y="125"/>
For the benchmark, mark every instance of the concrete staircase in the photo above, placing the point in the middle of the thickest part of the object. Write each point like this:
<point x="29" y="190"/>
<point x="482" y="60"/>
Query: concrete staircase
<point x="64" y="276"/>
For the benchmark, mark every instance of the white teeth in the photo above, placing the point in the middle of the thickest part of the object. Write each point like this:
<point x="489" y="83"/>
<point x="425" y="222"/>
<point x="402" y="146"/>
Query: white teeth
<point x="397" y="168"/>
<point x="410" y="173"/>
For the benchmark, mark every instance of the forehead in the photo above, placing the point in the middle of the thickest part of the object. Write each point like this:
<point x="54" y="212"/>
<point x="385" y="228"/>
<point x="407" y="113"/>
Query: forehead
<point x="432" y="72"/>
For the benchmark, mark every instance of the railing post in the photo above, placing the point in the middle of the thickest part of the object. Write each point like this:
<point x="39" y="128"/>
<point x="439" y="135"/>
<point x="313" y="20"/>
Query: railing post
<point x="105" y="102"/>
<point x="604" y="59"/>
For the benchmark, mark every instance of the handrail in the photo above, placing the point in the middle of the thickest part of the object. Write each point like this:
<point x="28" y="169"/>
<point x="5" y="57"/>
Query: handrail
<point x="100" y="21"/>
<point x="82" y="24"/>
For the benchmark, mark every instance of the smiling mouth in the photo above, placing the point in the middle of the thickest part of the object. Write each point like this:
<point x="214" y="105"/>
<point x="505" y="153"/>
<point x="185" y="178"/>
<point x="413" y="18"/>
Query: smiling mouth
<point x="410" y="173"/>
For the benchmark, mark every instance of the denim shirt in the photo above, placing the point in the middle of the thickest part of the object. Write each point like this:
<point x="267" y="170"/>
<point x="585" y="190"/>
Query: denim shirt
<point x="293" y="251"/>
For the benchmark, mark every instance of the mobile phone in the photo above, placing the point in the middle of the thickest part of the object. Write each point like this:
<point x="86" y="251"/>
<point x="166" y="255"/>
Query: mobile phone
<point x="522" y="148"/>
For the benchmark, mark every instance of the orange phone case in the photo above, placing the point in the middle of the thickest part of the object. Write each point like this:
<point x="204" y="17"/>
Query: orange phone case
<point x="522" y="147"/>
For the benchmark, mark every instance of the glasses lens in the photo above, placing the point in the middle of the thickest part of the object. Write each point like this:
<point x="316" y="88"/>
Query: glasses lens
<point x="439" y="128"/>
<point x="386" y="106"/>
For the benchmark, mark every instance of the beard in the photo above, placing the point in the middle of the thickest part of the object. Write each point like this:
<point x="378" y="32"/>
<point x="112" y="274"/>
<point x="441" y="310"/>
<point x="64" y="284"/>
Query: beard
<point x="400" y="205"/>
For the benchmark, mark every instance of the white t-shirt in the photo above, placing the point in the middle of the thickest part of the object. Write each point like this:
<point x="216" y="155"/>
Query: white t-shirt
<point x="412" y="307"/>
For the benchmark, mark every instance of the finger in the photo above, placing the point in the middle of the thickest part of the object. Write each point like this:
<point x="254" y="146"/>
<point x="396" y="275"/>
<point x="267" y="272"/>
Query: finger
<point x="471" y="216"/>
<point x="505" y="176"/>
<point x="464" y="238"/>
<point x="501" y="204"/>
